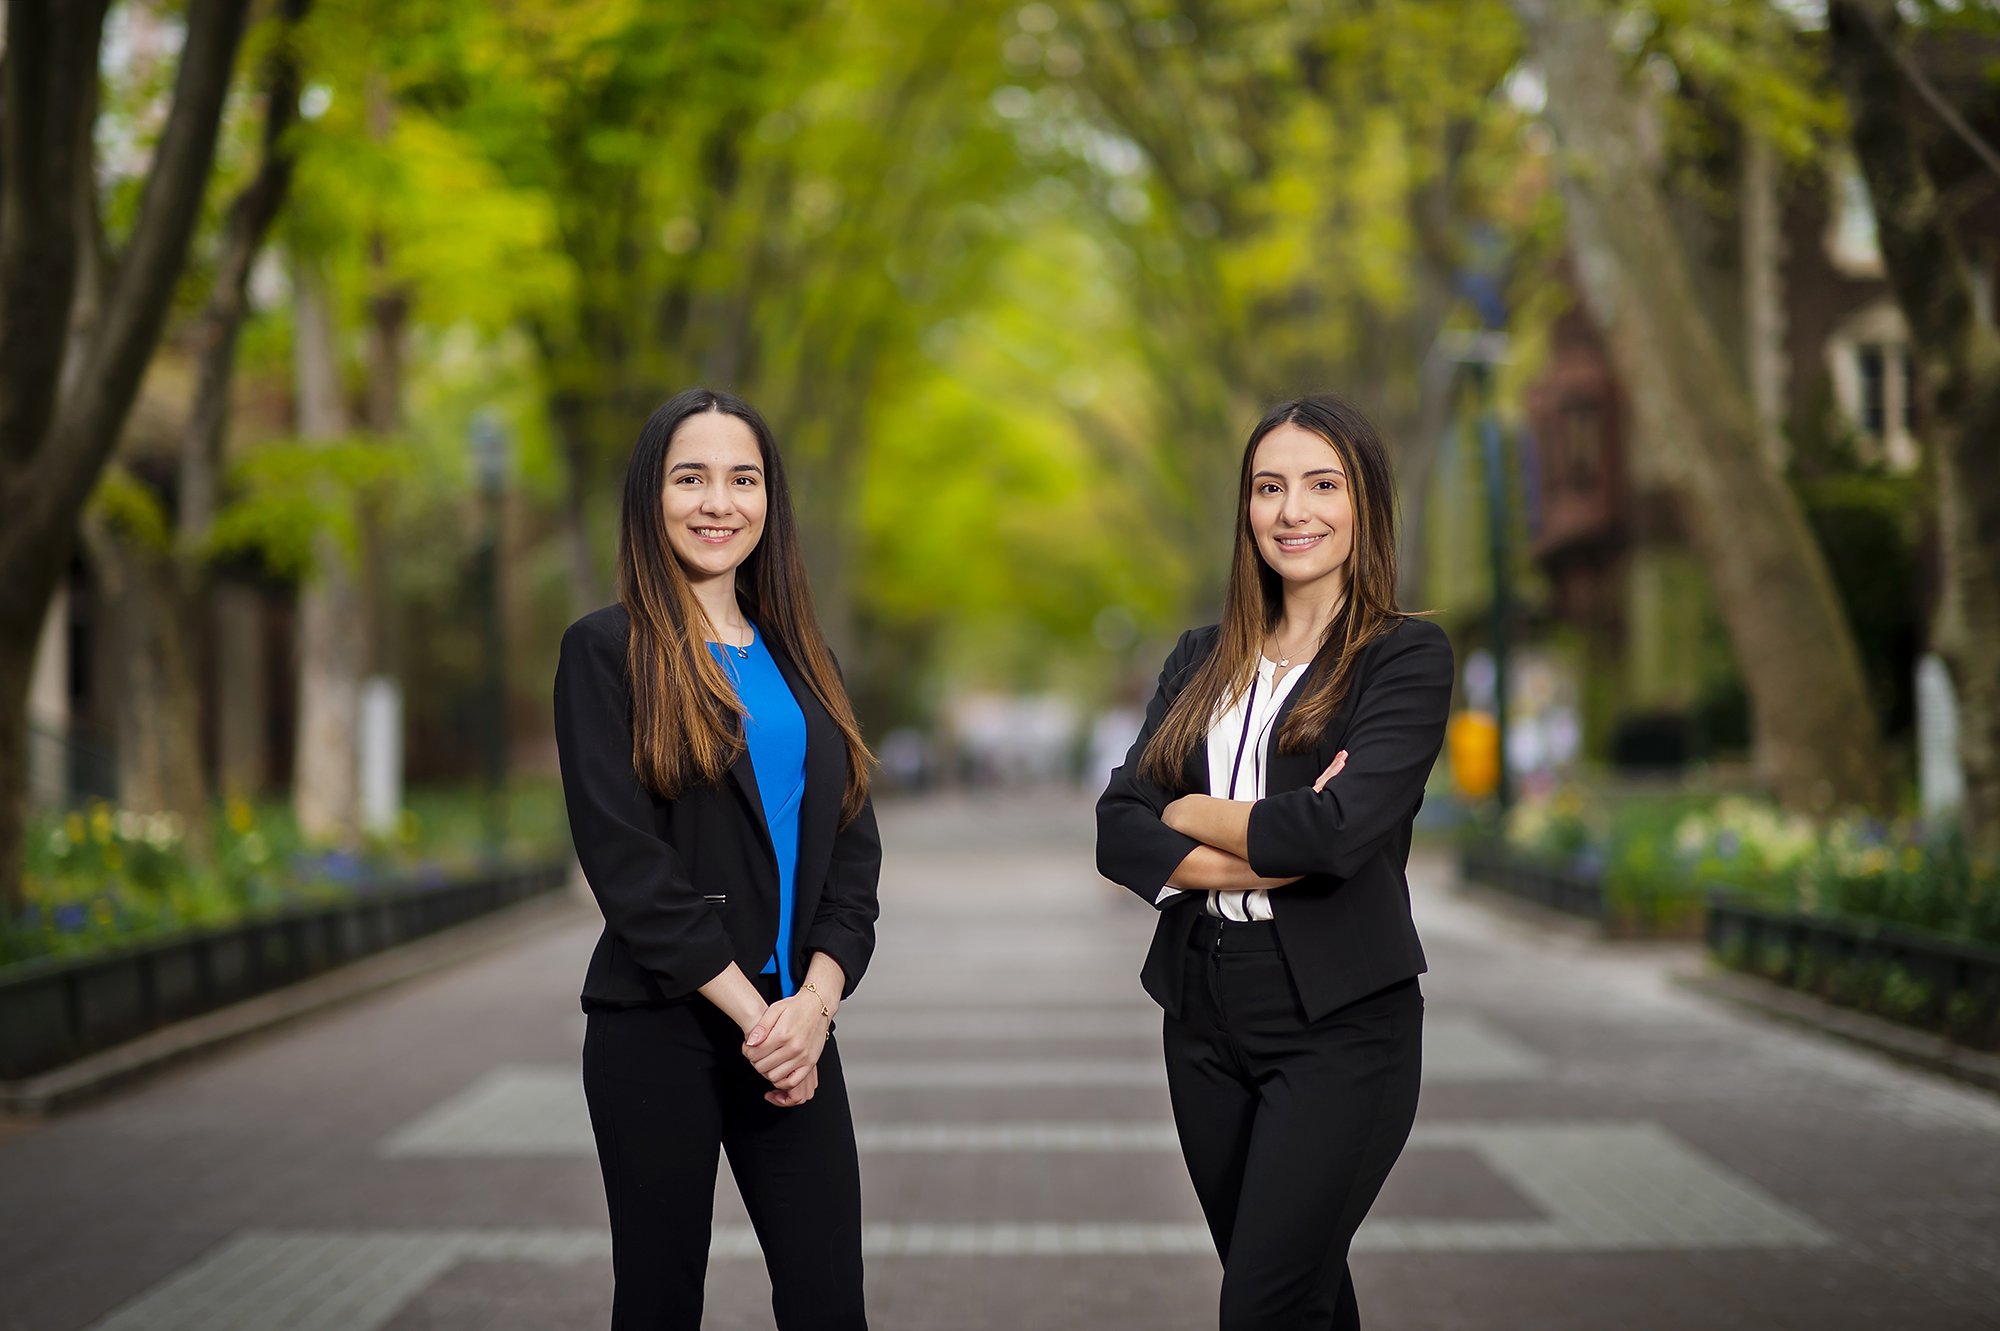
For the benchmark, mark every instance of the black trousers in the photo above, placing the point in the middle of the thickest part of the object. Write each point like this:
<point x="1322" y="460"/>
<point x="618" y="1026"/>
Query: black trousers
<point x="667" y="1087"/>
<point x="1289" y="1127"/>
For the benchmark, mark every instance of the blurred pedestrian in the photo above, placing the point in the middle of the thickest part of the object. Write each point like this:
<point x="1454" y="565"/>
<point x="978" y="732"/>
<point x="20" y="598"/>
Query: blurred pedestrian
<point x="1265" y="811"/>
<point x="718" y="794"/>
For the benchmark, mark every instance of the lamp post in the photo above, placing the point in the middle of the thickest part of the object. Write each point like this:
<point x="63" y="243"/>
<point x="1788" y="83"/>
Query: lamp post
<point x="489" y="454"/>
<point x="1479" y="353"/>
<point x="1493" y="446"/>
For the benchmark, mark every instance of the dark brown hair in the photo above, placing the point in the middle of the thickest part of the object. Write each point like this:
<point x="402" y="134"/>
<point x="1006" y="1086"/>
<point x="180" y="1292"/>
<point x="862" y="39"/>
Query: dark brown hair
<point x="686" y="721"/>
<point x="1256" y="596"/>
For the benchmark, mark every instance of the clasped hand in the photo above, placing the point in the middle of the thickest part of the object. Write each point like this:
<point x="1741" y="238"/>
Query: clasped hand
<point x="784" y="1046"/>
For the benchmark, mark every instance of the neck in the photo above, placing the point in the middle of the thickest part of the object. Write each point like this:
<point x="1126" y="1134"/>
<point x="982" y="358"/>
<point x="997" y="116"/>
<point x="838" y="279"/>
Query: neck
<point x="718" y="600"/>
<point x="1309" y="608"/>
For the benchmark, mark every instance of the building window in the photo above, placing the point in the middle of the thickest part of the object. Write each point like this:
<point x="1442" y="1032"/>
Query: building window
<point x="1874" y="384"/>
<point x="1874" y="391"/>
<point x="1909" y="387"/>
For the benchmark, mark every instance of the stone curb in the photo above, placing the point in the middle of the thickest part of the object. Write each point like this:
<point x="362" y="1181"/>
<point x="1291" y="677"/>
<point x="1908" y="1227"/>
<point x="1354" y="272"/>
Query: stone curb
<point x="1921" y="1049"/>
<point x="89" y="1077"/>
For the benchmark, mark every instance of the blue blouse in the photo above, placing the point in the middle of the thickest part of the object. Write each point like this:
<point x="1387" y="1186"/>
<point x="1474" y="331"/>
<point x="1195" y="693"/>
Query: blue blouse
<point x="776" y="731"/>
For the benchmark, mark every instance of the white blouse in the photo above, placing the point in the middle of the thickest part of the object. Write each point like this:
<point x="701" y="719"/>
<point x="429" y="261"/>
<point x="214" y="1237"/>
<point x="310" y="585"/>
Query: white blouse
<point x="1239" y="746"/>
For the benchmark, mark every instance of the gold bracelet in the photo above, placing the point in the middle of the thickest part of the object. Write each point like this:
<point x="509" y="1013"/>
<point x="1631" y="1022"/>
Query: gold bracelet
<point x="819" y="998"/>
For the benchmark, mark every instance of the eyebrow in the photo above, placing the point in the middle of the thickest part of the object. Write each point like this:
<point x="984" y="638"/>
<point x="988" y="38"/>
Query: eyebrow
<point x="692" y="465"/>
<point x="1316" y="471"/>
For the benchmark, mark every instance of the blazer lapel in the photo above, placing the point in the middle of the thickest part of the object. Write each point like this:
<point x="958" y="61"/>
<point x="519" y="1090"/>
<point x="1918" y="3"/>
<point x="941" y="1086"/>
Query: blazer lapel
<point x="745" y="776"/>
<point x="1289" y="771"/>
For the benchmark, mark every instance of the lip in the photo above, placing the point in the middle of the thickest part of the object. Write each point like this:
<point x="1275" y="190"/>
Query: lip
<point x="703" y="534"/>
<point x="1294" y="545"/>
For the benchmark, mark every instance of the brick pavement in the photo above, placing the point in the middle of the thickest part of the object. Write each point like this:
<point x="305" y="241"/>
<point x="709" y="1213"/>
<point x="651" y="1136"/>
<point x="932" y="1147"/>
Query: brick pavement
<point x="1595" y="1147"/>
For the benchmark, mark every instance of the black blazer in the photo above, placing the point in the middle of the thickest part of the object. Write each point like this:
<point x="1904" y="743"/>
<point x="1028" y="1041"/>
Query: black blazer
<point x="688" y="885"/>
<point x="1345" y="926"/>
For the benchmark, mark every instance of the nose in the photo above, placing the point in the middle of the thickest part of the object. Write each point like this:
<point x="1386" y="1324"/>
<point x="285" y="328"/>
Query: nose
<point x="1293" y="511"/>
<point x="717" y="501"/>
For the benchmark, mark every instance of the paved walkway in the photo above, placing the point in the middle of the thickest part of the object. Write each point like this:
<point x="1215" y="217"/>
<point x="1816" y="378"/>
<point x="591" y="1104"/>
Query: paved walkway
<point x="1596" y="1148"/>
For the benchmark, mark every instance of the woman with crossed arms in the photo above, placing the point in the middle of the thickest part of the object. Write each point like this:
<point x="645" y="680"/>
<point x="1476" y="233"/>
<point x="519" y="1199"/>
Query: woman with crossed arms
<point x="718" y="795"/>
<point x="1265" y="811"/>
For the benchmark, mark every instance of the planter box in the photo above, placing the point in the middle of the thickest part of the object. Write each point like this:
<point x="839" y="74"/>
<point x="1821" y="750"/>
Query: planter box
<point x="1919" y="978"/>
<point x="60" y="1009"/>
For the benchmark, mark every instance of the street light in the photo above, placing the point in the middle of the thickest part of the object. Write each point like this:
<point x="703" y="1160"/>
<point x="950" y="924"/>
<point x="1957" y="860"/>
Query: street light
<point x="1479" y="353"/>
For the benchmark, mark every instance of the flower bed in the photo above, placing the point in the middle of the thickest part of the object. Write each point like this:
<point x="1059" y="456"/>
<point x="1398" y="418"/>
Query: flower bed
<point x="1657" y="857"/>
<point x="101" y="878"/>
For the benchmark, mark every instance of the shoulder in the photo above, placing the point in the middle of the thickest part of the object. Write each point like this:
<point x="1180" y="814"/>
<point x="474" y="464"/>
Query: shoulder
<point x="1193" y="648"/>
<point x="1414" y="644"/>
<point x="599" y="633"/>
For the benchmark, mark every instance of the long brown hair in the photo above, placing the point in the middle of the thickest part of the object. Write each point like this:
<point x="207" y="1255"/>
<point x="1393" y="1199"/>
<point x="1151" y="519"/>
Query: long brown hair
<point x="686" y="719"/>
<point x="1255" y="598"/>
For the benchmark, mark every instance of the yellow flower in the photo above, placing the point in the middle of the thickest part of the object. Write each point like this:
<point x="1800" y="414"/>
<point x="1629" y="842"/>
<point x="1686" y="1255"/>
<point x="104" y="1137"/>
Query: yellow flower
<point x="238" y="812"/>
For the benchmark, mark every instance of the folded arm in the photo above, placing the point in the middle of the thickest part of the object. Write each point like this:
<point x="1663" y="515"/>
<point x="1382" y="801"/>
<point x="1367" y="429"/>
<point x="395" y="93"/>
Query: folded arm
<point x="1334" y="827"/>
<point x="1134" y="847"/>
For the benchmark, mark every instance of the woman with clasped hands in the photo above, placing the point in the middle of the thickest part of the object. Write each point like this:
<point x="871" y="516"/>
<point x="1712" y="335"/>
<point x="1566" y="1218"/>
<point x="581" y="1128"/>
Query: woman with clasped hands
<point x="1265" y="811"/>
<point x="718" y="795"/>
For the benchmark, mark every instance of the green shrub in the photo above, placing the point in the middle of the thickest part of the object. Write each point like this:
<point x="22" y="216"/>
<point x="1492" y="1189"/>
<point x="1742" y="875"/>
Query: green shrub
<point x="1659" y="856"/>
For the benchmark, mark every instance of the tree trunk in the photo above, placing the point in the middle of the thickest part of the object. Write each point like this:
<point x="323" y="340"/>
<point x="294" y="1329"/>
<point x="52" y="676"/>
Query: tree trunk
<point x="1691" y="412"/>
<point x="1958" y="364"/>
<point x="54" y="445"/>
<point x="159" y="740"/>
<point x="242" y="739"/>
<point x="325" y="789"/>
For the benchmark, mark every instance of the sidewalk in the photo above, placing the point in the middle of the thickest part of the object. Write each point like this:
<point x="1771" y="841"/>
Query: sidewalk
<point x="1597" y="1146"/>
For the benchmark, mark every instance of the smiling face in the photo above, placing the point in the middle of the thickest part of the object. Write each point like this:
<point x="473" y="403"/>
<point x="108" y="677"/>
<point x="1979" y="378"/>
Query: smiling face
<point x="714" y="496"/>
<point x="1301" y="507"/>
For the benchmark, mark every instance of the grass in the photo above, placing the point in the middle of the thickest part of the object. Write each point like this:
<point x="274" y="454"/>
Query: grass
<point x="101" y="877"/>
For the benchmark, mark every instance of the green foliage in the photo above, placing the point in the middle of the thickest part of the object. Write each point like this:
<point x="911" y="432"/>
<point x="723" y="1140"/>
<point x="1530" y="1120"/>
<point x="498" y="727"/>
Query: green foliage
<point x="288" y="491"/>
<point x="1733" y="61"/>
<point x="124" y="502"/>
<point x="1656" y="848"/>
<point x="100" y="877"/>
<point x="1870" y="527"/>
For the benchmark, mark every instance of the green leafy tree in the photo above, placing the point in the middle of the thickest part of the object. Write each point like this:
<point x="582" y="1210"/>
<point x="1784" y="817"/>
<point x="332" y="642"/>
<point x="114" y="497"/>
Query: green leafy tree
<point x="63" y="399"/>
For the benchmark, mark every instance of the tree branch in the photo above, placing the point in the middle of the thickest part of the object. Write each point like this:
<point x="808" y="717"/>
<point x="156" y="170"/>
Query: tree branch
<point x="1927" y="90"/>
<point x="251" y="214"/>
<point x="93" y="411"/>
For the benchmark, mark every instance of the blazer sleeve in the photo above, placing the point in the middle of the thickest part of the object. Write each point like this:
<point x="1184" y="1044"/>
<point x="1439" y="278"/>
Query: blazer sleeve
<point x="638" y="879"/>
<point x="1394" y="738"/>
<point x="844" y="925"/>
<point x="1134" y="848"/>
